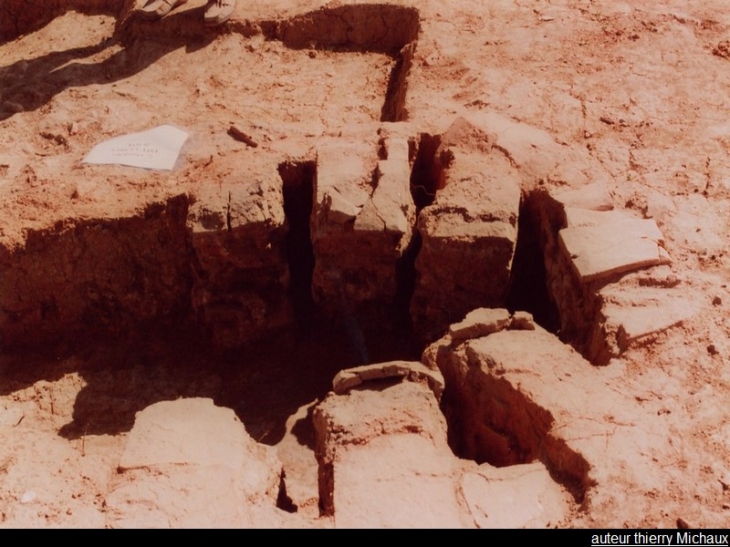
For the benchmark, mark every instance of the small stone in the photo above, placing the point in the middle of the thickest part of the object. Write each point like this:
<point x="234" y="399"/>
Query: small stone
<point x="716" y="301"/>
<point x="522" y="320"/>
<point x="73" y="128"/>
<point x="28" y="497"/>
<point x="480" y="322"/>
<point x="312" y="54"/>
<point x="598" y="252"/>
<point x="683" y="524"/>
<point x="722" y="49"/>
<point x="344" y="381"/>
<point x="712" y="350"/>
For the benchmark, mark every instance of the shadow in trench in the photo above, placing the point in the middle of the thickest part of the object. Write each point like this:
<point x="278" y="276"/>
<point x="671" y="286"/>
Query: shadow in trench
<point x="264" y="383"/>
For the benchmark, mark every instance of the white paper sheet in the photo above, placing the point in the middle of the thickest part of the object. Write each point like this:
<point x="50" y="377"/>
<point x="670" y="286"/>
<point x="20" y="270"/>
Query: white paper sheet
<point x="157" y="148"/>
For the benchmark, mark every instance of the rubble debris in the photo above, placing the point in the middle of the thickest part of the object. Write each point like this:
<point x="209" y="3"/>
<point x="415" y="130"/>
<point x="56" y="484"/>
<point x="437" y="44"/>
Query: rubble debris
<point x="722" y="49"/>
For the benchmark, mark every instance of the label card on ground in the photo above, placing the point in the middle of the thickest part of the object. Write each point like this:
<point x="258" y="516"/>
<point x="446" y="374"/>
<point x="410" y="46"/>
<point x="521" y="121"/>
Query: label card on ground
<point x="157" y="148"/>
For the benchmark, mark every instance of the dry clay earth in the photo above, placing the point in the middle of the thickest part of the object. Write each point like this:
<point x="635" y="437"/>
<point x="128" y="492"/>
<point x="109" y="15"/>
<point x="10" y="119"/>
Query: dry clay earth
<point x="624" y="98"/>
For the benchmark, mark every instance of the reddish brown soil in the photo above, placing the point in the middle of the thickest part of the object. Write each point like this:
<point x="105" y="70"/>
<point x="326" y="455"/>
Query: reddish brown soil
<point x="638" y="84"/>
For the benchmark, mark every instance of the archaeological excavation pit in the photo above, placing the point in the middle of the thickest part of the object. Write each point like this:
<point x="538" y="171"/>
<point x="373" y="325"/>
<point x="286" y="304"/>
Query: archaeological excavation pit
<point x="255" y="292"/>
<point x="338" y="234"/>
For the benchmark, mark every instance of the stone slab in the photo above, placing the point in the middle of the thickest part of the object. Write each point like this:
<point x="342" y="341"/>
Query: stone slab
<point x="601" y="251"/>
<point x="412" y="370"/>
<point x="480" y="322"/>
<point x="343" y="184"/>
<point x="391" y="206"/>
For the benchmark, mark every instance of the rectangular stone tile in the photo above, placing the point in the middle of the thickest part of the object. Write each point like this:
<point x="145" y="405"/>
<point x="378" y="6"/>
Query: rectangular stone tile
<point x="601" y="251"/>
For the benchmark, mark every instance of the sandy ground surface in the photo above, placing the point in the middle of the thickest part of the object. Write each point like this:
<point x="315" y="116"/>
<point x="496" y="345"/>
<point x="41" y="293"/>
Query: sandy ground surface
<point x="639" y="84"/>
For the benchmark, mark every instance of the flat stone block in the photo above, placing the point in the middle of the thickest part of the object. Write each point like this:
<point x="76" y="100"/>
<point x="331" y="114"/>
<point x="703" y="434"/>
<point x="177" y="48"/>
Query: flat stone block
<point x="480" y="322"/>
<point x="391" y="206"/>
<point x="600" y="251"/>
<point x="343" y="184"/>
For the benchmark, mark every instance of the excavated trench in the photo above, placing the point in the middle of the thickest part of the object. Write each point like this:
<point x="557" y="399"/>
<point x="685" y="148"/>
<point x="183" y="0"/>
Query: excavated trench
<point x="529" y="279"/>
<point x="141" y="305"/>
<point x="143" y="292"/>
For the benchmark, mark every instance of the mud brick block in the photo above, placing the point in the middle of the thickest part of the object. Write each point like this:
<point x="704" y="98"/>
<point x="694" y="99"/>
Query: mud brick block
<point x="362" y="221"/>
<point x="238" y="235"/>
<point x="468" y="241"/>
